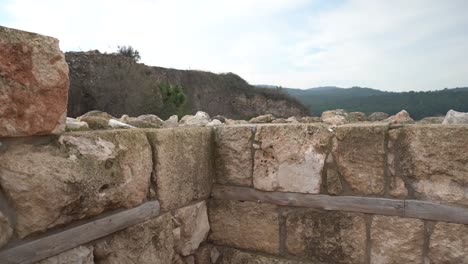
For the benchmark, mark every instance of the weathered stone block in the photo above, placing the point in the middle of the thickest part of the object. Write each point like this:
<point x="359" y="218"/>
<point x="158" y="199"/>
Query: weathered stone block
<point x="247" y="225"/>
<point x="330" y="237"/>
<point x="433" y="159"/>
<point x="150" y="242"/>
<point x="5" y="230"/>
<point x="449" y="243"/>
<point x="207" y="254"/>
<point x="290" y="158"/>
<point x="234" y="155"/>
<point x="78" y="255"/>
<point x="396" y="240"/>
<point x="359" y="152"/>
<point x="75" y="176"/>
<point x="234" y="256"/>
<point x="192" y="228"/>
<point x="183" y="165"/>
<point x="33" y="84"/>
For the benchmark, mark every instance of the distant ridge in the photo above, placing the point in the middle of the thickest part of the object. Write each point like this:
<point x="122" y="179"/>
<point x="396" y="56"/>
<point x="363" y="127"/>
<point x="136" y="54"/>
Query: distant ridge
<point x="368" y="100"/>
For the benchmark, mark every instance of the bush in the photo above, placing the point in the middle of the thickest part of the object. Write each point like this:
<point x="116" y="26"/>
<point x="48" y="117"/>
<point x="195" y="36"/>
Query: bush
<point x="130" y="52"/>
<point x="174" y="98"/>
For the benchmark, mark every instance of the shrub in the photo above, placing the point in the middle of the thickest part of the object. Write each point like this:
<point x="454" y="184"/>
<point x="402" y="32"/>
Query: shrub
<point x="129" y="51"/>
<point x="174" y="98"/>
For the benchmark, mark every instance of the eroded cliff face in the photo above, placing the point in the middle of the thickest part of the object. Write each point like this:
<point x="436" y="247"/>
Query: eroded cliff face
<point x="117" y="85"/>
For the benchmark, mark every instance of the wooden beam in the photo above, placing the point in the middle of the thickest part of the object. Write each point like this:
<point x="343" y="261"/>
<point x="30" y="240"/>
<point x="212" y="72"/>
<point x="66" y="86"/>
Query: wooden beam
<point x="436" y="211"/>
<point x="48" y="246"/>
<point x="371" y="205"/>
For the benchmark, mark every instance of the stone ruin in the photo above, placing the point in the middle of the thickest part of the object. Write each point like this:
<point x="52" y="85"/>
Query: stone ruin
<point x="246" y="193"/>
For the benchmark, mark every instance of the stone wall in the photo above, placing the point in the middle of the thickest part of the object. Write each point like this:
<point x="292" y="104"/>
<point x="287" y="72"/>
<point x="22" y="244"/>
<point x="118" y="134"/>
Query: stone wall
<point x="283" y="194"/>
<point x="293" y="193"/>
<point x="58" y="183"/>
<point x="360" y="193"/>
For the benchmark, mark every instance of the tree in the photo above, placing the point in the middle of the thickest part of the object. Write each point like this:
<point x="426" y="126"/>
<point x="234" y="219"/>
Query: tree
<point x="174" y="98"/>
<point x="129" y="51"/>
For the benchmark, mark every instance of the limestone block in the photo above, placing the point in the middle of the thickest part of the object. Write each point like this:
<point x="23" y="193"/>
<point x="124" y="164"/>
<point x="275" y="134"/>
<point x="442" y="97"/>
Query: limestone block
<point x="150" y="242"/>
<point x="330" y="237"/>
<point x="192" y="228"/>
<point x="290" y="158"/>
<point x="234" y="256"/>
<point x="433" y="159"/>
<point x="33" y="84"/>
<point x="262" y="119"/>
<point x="247" y="225"/>
<point x="401" y="117"/>
<point x="448" y="243"/>
<point x="454" y="117"/>
<point x="143" y="121"/>
<point x="183" y="165"/>
<point x="234" y="158"/>
<point x="207" y="254"/>
<point x="359" y="152"/>
<point x="75" y="176"/>
<point x="335" y="117"/>
<point x="5" y="230"/>
<point x="199" y="119"/>
<point x="396" y="240"/>
<point x="378" y="116"/>
<point x="78" y="255"/>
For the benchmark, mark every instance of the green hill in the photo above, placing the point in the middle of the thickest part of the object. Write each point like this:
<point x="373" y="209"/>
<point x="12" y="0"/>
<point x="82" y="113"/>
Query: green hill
<point x="367" y="100"/>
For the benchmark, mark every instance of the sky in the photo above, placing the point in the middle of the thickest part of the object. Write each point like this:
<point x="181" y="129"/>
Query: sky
<point x="397" y="45"/>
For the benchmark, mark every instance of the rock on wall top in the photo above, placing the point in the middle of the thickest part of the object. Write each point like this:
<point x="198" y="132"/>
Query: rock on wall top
<point x="33" y="84"/>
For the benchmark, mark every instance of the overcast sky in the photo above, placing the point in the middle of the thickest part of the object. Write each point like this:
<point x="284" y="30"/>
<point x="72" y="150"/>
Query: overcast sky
<point x="396" y="45"/>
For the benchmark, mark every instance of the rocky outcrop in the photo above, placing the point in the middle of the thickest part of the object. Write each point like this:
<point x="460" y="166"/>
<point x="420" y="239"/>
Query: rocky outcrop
<point x="33" y="84"/>
<point x="117" y="85"/>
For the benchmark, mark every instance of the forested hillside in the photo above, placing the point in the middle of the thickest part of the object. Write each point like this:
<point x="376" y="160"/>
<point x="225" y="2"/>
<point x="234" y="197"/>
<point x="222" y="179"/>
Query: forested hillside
<point x="367" y="100"/>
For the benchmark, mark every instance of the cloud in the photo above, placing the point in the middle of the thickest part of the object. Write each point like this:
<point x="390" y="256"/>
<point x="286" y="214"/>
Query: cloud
<point x="392" y="45"/>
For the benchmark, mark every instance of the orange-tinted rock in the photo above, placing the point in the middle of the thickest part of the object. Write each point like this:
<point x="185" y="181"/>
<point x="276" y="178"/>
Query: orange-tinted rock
<point x="33" y="84"/>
